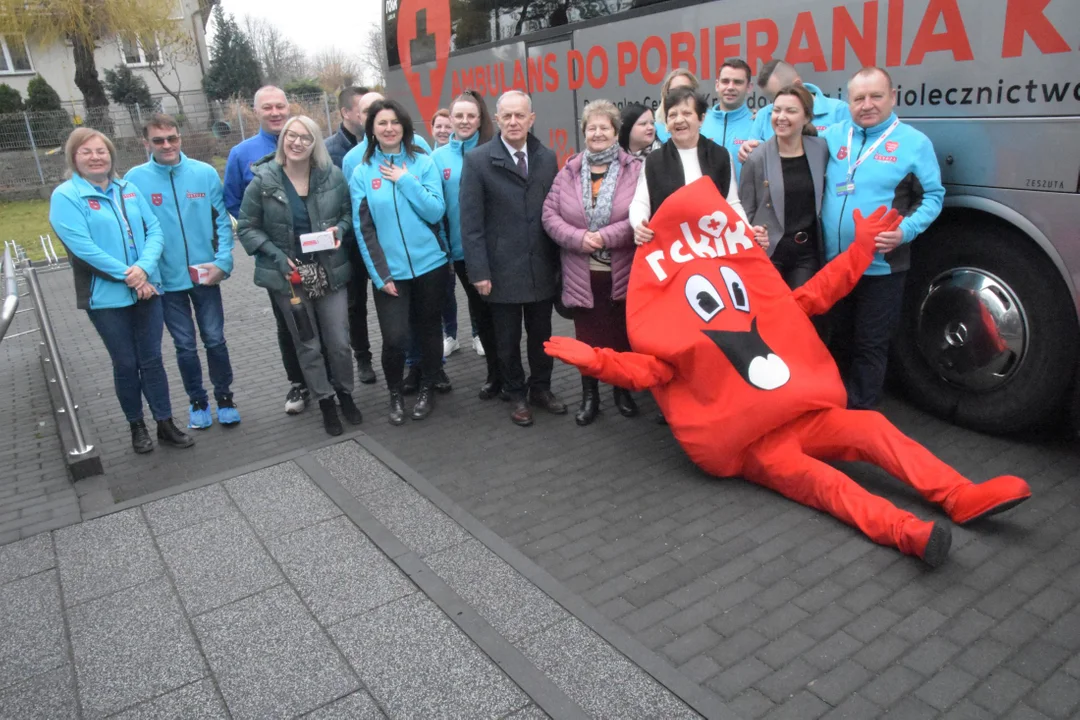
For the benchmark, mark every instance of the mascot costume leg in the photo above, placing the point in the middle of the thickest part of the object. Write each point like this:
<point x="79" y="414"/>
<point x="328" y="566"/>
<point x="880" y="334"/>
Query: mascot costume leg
<point x="748" y="388"/>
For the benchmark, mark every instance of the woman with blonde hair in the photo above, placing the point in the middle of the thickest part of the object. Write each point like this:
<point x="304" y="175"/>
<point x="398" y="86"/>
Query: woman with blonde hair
<point x="296" y="192"/>
<point x="587" y="213"/>
<point x="115" y="241"/>
<point x="679" y="77"/>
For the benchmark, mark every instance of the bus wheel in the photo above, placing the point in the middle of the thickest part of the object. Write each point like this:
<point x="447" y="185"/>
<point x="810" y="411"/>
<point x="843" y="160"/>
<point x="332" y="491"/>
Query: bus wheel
<point x="988" y="337"/>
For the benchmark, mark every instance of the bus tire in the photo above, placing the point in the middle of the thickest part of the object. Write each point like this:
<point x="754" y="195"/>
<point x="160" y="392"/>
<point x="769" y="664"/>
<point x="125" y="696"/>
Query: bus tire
<point x="970" y="274"/>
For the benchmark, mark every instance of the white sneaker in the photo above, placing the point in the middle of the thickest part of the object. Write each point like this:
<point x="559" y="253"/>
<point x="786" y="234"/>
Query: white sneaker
<point x="450" y="346"/>
<point x="478" y="346"/>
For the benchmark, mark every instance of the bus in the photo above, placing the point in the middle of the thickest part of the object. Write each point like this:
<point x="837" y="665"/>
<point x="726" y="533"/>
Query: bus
<point x="989" y="337"/>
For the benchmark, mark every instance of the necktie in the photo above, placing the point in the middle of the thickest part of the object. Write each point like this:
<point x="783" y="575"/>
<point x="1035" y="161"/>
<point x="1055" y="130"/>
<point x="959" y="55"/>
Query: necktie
<point x="522" y="167"/>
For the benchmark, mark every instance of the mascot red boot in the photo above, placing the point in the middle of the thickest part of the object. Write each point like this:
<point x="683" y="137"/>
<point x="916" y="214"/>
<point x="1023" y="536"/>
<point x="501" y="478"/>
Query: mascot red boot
<point x="748" y="388"/>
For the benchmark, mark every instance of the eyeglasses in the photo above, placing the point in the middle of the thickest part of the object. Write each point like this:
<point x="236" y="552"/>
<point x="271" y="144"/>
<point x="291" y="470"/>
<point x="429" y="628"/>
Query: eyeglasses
<point x="305" y="140"/>
<point x="87" y="152"/>
<point x="171" y="139"/>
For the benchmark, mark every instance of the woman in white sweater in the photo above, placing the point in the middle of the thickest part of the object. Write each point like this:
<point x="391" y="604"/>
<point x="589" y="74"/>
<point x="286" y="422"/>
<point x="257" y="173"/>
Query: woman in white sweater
<point x="684" y="158"/>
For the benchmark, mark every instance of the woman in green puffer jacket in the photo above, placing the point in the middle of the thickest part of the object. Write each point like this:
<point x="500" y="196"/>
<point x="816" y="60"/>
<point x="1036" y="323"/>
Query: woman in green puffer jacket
<point x="297" y="191"/>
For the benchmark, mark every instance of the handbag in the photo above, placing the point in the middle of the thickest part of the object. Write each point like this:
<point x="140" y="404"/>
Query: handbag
<point x="313" y="278"/>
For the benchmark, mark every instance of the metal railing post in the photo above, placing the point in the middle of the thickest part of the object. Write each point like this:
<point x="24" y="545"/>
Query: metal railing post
<point x="240" y="119"/>
<point x="49" y="337"/>
<point x="33" y="146"/>
<point x="11" y="293"/>
<point x="329" y="122"/>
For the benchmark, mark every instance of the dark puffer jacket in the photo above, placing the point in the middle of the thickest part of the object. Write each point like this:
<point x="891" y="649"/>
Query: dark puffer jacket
<point x="265" y="226"/>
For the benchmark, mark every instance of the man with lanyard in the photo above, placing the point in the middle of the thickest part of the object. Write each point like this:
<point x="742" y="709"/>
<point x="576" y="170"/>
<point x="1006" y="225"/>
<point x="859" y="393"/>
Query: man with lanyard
<point x="874" y="160"/>
<point x="777" y="74"/>
<point x="729" y="123"/>
<point x="186" y="197"/>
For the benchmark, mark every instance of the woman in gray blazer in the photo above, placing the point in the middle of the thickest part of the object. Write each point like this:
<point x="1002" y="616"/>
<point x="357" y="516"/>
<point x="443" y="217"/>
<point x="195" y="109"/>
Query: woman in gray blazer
<point x="781" y="187"/>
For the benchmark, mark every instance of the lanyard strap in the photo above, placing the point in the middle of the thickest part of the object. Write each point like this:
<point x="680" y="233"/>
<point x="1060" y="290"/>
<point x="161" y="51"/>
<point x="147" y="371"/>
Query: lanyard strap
<point x="869" y="151"/>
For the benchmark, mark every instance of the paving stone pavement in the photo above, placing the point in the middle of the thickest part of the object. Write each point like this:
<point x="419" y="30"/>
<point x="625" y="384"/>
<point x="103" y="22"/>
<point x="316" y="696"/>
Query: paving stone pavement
<point x="261" y="597"/>
<point x="778" y="610"/>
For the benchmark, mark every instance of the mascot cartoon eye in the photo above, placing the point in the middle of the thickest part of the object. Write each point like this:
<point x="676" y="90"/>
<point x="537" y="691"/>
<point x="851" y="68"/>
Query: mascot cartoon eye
<point x="736" y="289"/>
<point x="703" y="297"/>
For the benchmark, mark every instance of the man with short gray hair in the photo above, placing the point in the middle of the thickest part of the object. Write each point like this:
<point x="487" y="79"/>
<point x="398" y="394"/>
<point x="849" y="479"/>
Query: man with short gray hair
<point x="509" y="256"/>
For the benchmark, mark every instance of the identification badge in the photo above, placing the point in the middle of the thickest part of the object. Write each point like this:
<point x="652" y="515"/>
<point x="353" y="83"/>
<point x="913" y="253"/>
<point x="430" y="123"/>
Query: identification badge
<point x="845" y="188"/>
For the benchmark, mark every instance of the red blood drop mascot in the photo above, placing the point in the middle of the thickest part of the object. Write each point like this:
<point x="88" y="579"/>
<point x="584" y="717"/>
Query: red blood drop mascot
<point x="748" y="388"/>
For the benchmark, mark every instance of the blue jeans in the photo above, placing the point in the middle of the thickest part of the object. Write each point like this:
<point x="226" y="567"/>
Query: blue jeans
<point x="206" y="300"/>
<point x="132" y="335"/>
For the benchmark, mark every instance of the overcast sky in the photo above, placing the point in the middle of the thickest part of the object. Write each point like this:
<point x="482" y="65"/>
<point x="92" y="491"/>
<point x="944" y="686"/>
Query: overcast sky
<point x="313" y="24"/>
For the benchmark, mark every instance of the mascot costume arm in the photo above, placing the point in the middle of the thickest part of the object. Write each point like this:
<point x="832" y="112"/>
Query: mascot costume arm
<point x="840" y="276"/>
<point x="629" y="370"/>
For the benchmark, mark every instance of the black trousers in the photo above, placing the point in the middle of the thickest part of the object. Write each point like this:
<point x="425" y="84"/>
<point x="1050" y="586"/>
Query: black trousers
<point x="861" y="326"/>
<point x="418" y="306"/>
<point x="358" y="292"/>
<point x="480" y="312"/>
<point x="507" y="319"/>
<point x="796" y="263"/>
<point x="285" y="344"/>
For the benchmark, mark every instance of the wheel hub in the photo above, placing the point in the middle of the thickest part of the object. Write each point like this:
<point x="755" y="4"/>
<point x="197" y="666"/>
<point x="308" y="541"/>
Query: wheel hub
<point x="972" y="329"/>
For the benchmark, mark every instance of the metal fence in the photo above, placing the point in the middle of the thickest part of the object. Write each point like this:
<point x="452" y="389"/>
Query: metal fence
<point x="31" y="143"/>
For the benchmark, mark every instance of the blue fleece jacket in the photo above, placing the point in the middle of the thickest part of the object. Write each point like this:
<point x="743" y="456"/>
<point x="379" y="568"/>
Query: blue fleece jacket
<point x="355" y="156"/>
<point x="730" y="129"/>
<point x="902" y="172"/>
<point x="106" y="232"/>
<point x="238" y="172"/>
<point x="396" y="224"/>
<point x="187" y="200"/>
<point x="827" y="111"/>
<point x="449" y="160"/>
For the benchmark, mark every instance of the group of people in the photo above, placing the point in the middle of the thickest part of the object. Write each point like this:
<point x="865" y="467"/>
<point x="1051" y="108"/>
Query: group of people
<point x="486" y="204"/>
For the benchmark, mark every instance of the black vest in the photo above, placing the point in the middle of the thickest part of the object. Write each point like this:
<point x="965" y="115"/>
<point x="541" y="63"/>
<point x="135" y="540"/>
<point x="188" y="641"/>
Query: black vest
<point x="664" y="170"/>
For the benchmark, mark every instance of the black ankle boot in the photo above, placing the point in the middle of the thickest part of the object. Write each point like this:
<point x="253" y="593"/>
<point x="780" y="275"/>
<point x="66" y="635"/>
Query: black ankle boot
<point x="625" y="402"/>
<point x="425" y="401"/>
<point x="330" y="420"/>
<point x="348" y="408"/>
<point x="169" y="434"/>
<point x="590" y="401"/>
<point x="140" y="437"/>
<point x="397" y="407"/>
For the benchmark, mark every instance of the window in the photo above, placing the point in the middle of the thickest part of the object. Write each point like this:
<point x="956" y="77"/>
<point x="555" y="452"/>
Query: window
<point x="139" y="52"/>
<point x="475" y="22"/>
<point x="14" y="58"/>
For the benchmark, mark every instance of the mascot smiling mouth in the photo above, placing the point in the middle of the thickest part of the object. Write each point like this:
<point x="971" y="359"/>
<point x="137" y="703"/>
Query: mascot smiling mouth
<point x="751" y="357"/>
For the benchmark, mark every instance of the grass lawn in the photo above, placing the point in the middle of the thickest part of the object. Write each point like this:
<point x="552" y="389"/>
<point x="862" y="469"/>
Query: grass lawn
<point x="23" y="222"/>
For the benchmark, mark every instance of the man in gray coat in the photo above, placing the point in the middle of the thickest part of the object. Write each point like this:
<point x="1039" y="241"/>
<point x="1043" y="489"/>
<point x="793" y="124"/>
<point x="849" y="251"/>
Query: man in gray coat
<point x="509" y="256"/>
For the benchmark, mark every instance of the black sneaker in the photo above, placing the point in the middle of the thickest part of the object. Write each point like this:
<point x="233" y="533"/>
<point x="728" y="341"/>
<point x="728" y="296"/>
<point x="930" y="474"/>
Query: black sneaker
<point x="365" y="372"/>
<point x="297" y="399"/>
<point x="442" y="382"/>
<point x="412" y="381"/>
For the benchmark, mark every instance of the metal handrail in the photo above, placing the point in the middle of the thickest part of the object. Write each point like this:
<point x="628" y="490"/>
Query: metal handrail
<point x="49" y="337"/>
<point x="11" y="294"/>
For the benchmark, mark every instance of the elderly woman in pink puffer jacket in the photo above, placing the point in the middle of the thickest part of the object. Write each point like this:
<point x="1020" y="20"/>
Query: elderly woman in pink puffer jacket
<point x="587" y="212"/>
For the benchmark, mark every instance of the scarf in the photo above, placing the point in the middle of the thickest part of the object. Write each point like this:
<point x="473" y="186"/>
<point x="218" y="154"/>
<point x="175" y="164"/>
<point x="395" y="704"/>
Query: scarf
<point x="644" y="152"/>
<point x="599" y="215"/>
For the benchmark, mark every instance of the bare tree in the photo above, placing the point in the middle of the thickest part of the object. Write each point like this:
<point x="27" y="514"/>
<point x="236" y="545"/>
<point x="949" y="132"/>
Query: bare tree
<point x="171" y="56"/>
<point x="373" y="56"/>
<point x="334" y="69"/>
<point x="279" y="57"/>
